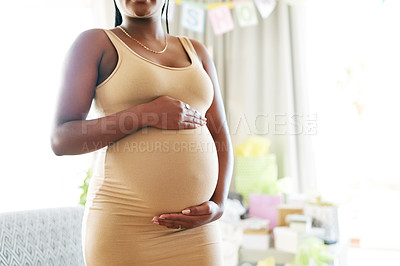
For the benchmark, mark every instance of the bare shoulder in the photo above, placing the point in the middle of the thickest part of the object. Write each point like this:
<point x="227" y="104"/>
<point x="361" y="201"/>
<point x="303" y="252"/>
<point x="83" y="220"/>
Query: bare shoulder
<point x="90" y="42"/>
<point x="201" y="51"/>
<point x="93" y="33"/>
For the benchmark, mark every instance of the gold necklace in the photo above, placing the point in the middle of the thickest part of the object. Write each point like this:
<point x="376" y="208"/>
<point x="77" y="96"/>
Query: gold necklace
<point x="144" y="46"/>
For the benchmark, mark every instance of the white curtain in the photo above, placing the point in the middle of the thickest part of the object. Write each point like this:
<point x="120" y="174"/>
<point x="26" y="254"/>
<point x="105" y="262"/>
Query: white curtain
<point x="260" y="76"/>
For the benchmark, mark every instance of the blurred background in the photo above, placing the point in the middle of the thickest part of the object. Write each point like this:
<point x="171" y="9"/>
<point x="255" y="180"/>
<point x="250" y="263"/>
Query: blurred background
<point x="319" y="80"/>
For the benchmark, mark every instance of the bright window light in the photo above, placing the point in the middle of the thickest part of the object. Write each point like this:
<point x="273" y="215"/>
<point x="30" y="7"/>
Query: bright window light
<point x="353" y="76"/>
<point x="36" y="38"/>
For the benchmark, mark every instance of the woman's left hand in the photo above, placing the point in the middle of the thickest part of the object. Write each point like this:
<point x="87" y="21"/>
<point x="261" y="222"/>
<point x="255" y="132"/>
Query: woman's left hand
<point x="190" y="217"/>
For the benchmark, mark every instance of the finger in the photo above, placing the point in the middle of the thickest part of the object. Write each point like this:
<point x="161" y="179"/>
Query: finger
<point x="155" y="220"/>
<point x="197" y="210"/>
<point x="169" y="224"/>
<point x="185" y="221"/>
<point x="196" y="114"/>
<point x="172" y="217"/>
<point x="193" y="112"/>
<point x="164" y="222"/>
<point x="174" y="224"/>
<point x="192" y="119"/>
<point x="188" y="125"/>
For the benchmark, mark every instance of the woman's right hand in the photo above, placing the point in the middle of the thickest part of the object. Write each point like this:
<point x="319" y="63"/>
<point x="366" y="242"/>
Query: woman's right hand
<point x="169" y="113"/>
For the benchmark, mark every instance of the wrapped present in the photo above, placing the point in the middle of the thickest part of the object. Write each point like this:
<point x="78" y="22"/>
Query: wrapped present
<point x="256" y="170"/>
<point x="299" y="223"/>
<point x="256" y="240"/>
<point x="254" y="146"/>
<point x="324" y="215"/>
<point x="256" y="175"/>
<point x="265" y="206"/>
<point x="284" y="210"/>
<point x="285" y="239"/>
<point x="255" y="234"/>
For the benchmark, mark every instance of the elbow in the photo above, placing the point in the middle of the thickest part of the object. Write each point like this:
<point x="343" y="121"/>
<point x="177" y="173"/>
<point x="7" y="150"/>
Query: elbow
<point x="58" y="153"/>
<point x="55" y="146"/>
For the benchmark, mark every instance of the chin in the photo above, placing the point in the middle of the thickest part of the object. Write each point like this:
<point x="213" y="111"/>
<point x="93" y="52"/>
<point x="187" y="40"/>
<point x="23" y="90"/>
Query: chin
<point x="142" y="11"/>
<point x="142" y="15"/>
<point x="143" y="8"/>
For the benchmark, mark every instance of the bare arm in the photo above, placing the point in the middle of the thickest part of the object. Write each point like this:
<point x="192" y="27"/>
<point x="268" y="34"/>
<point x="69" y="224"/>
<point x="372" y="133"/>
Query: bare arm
<point x="218" y="127"/>
<point x="73" y="134"/>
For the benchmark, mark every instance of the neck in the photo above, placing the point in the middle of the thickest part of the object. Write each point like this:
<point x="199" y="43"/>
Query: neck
<point x="145" y="28"/>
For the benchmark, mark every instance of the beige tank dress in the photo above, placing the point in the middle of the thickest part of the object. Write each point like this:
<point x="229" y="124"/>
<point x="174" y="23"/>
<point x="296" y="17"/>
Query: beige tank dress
<point x="151" y="171"/>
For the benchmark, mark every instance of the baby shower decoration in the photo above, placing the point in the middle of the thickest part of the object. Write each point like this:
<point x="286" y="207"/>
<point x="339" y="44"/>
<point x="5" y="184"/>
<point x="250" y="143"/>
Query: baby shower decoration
<point x="193" y="14"/>
<point x="246" y="13"/>
<point x="221" y="19"/>
<point x="193" y="17"/>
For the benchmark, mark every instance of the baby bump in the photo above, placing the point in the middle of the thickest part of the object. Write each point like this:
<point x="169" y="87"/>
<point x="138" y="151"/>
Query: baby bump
<point x="164" y="170"/>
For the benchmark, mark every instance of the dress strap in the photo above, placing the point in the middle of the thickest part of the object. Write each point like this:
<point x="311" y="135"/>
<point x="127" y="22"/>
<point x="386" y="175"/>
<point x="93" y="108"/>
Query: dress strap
<point x="189" y="47"/>
<point x="118" y="44"/>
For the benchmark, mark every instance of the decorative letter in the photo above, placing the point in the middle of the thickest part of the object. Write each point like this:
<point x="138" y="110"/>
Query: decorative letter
<point x="193" y="17"/>
<point x="221" y="19"/>
<point x="246" y="13"/>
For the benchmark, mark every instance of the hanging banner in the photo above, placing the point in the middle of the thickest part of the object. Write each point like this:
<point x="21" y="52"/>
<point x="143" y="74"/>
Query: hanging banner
<point x="193" y="14"/>
<point x="193" y="17"/>
<point x="214" y="5"/>
<point x="246" y="13"/>
<point x="265" y="7"/>
<point x="221" y="19"/>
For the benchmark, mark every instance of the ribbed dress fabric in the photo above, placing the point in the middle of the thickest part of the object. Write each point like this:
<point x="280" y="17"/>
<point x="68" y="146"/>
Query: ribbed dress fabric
<point x="151" y="171"/>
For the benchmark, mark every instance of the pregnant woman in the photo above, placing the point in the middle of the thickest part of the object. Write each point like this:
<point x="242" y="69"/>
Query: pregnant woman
<point x="164" y="161"/>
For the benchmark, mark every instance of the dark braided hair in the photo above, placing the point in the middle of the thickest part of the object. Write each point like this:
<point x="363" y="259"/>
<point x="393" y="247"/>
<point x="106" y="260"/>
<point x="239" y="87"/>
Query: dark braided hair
<point x="166" y="14"/>
<point x="118" y="16"/>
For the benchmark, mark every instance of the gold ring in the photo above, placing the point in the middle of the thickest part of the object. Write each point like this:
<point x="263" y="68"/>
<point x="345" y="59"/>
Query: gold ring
<point x="187" y="106"/>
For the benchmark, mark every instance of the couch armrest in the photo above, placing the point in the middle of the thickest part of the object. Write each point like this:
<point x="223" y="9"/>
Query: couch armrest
<point x="42" y="237"/>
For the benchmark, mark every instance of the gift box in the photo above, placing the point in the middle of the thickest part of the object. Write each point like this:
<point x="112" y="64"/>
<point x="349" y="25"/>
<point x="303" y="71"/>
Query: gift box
<point x="285" y="210"/>
<point x="299" y="223"/>
<point x="255" y="234"/>
<point x="325" y="216"/>
<point x="255" y="169"/>
<point x="286" y="239"/>
<point x="255" y="174"/>
<point x="256" y="239"/>
<point x="265" y="206"/>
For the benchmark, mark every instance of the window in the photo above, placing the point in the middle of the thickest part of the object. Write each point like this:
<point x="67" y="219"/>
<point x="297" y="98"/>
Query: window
<point x="353" y="75"/>
<point x="34" y="44"/>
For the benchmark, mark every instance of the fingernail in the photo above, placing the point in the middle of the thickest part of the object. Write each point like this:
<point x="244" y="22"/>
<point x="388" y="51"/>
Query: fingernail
<point x="155" y="222"/>
<point x="162" y="217"/>
<point x="186" y="211"/>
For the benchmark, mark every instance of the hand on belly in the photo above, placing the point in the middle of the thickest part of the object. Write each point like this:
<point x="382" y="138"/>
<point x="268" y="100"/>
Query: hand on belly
<point x="190" y="217"/>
